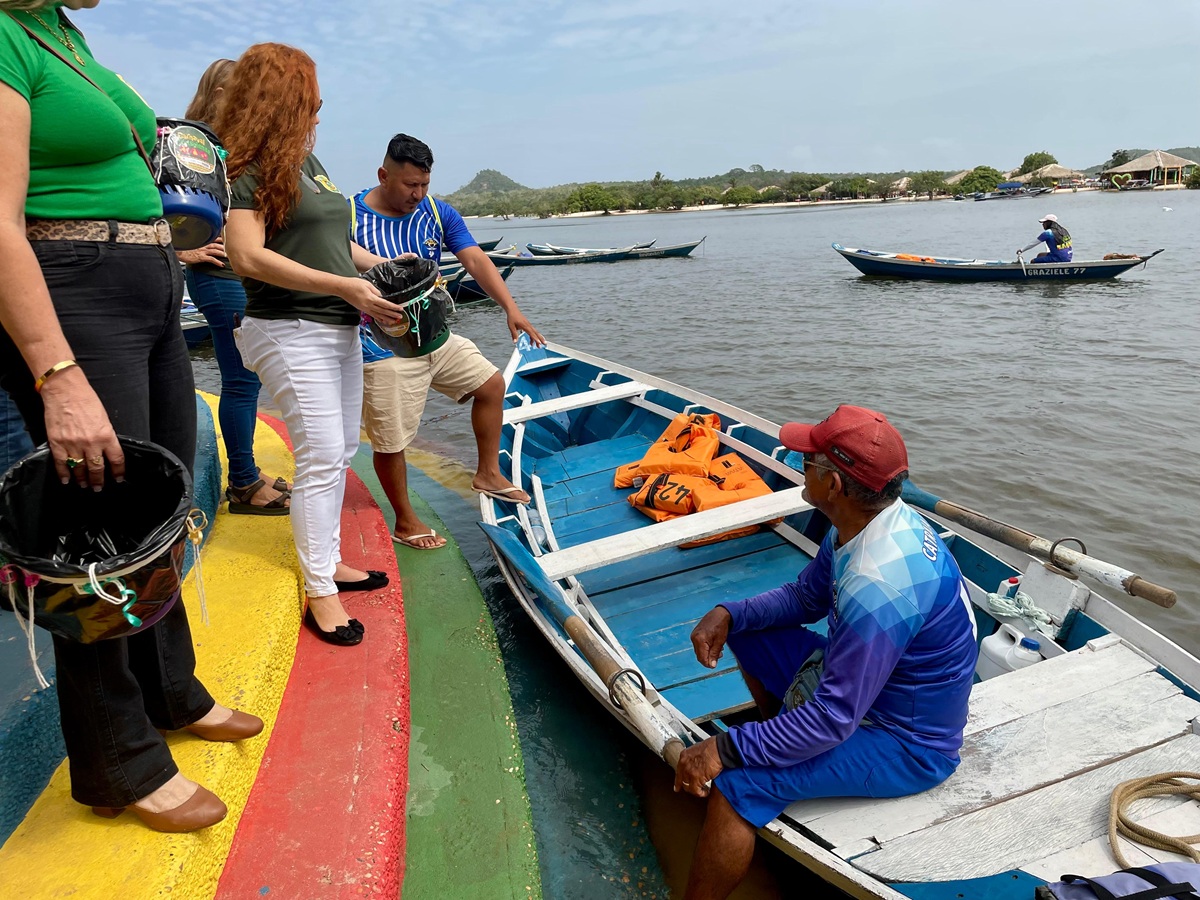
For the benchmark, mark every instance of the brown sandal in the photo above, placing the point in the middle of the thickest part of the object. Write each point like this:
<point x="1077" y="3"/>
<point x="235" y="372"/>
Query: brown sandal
<point x="240" y="505"/>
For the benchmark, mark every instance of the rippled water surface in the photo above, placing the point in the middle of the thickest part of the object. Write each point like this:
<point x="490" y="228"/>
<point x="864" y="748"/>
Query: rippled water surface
<point x="1066" y="409"/>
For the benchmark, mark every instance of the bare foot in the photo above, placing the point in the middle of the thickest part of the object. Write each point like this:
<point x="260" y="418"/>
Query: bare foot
<point x="407" y="529"/>
<point x="497" y="483"/>
<point x="174" y="793"/>
<point x="344" y="572"/>
<point x="328" y="611"/>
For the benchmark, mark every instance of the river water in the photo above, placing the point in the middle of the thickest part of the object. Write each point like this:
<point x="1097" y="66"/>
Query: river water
<point x="1065" y="409"/>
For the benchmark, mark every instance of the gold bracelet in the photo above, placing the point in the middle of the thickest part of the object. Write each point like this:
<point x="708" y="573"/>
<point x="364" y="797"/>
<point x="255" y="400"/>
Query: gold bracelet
<point x="53" y="370"/>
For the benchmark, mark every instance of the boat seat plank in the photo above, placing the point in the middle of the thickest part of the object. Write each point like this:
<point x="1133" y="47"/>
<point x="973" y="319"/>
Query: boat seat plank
<point x="672" y="561"/>
<point x="1096" y="855"/>
<point x="542" y="408"/>
<point x="1005" y="835"/>
<point x="1025" y="754"/>
<point x="672" y="533"/>
<point x="718" y="695"/>
<point x="1094" y="667"/>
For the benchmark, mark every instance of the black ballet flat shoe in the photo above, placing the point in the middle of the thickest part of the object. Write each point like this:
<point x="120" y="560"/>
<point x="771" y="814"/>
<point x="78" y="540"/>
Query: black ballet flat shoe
<point x="342" y="636"/>
<point x="373" y="582"/>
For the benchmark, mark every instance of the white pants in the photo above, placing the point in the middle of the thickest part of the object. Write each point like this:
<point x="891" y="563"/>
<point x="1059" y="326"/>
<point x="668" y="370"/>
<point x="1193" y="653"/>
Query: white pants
<point x="314" y="374"/>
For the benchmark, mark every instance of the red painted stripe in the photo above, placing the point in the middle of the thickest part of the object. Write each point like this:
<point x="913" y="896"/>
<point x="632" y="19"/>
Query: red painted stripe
<point x="325" y="818"/>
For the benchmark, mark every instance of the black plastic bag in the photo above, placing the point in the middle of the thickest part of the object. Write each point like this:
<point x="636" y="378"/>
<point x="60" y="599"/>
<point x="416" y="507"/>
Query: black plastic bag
<point x="415" y="284"/>
<point x="95" y="564"/>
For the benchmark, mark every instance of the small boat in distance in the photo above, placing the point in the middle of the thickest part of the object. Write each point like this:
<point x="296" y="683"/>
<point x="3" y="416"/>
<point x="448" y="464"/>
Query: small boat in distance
<point x="1011" y="189"/>
<point x="514" y="257"/>
<point x="483" y="245"/>
<point x="930" y="268"/>
<point x="616" y="596"/>
<point x="465" y="290"/>
<point x="554" y="250"/>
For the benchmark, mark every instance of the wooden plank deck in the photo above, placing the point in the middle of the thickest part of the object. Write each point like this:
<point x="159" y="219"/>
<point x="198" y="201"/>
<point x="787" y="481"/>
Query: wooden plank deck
<point x="1044" y="747"/>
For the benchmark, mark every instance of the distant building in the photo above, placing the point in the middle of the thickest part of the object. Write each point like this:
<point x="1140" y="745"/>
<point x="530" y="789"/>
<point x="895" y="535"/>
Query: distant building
<point x="1053" y="172"/>
<point x="1156" y="167"/>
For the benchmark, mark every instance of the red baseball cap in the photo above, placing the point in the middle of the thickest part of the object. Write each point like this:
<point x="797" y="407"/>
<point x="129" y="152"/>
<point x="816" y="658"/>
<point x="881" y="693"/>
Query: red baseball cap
<point x="861" y="442"/>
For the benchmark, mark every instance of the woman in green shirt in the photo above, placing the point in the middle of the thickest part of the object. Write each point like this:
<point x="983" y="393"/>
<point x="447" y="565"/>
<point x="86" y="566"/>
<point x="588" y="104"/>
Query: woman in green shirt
<point x="288" y="236"/>
<point x="90" y="346"/>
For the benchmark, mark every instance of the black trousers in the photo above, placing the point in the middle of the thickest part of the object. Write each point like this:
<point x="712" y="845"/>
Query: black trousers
<point x="118" y="305"/>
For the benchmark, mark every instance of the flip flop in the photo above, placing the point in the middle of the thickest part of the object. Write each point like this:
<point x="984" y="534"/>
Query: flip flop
<point x="412" y="538"/>
<point x="502" y="494"/>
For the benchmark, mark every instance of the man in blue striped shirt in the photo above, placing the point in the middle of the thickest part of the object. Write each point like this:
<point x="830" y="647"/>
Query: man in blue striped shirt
<point x="876" y="706"/>
<point x="394" y="217"/>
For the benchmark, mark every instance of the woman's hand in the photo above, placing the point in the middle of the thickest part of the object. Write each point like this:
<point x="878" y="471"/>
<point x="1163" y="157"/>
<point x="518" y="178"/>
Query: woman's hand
<point x="364" y="296"/>
<point x="77" y="428"/>
<point x="213" y="254"/>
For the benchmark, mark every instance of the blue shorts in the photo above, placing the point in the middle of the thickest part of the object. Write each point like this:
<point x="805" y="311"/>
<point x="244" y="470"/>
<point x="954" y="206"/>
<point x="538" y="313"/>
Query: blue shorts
<point x="872" y="762"/>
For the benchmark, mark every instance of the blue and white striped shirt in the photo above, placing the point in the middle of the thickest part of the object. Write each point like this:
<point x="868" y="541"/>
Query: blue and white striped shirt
<point x="419" y="232"/>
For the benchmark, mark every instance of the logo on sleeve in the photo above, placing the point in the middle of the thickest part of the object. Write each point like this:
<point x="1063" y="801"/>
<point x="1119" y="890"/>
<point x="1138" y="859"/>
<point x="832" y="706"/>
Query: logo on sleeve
<point x="326" y="183"/>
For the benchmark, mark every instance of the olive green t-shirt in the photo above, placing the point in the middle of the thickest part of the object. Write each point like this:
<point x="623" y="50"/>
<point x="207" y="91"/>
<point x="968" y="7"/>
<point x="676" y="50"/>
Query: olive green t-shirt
<point x="83" y="162"/>
<point x="317" y="235"/>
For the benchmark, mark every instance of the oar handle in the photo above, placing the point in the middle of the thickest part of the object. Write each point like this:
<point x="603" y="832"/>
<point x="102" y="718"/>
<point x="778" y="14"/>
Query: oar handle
<point x="1079" y="563"/>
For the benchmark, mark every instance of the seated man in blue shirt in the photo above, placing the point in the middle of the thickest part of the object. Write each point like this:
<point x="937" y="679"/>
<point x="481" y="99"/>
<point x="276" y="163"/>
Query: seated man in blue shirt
<point x="874" y="709"/>
<point x="1057" y="238"/>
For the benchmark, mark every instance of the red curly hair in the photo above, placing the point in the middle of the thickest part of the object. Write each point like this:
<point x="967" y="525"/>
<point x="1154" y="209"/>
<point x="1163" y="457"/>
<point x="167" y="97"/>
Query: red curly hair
<point x="269" y="122"/>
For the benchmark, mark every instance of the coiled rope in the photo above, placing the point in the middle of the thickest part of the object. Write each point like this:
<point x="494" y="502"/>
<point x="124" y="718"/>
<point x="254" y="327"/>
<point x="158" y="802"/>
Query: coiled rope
<point x="1121" y="823"/>
<point x="1022" y="607"/>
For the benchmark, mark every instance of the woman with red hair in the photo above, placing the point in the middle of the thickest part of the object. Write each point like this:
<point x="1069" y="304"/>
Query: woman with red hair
<point x="288" y="238"/>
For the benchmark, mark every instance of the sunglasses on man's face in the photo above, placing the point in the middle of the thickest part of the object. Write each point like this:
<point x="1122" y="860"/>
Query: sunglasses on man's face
<point x="809" y="460"/>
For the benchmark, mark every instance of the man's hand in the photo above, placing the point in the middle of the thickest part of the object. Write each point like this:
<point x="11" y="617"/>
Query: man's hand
<point x="213" y="254"/>
<point x="518" y="323"/>
<point x="698" y="766"/>
<point x="710" y="634"/>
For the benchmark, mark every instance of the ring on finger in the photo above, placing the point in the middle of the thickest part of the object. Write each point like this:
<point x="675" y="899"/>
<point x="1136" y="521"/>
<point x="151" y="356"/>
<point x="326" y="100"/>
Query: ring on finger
<point x="72" y="462"/>
<point x="95" y="462"/>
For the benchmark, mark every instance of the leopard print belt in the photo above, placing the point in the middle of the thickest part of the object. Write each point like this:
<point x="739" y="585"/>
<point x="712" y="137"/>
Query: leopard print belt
<point x="112" y="231"/>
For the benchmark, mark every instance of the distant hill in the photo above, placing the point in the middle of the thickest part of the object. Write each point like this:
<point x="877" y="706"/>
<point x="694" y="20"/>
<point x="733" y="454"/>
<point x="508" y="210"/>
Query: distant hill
<point x="489" y="181"/>
<point x="1192" y="153"/>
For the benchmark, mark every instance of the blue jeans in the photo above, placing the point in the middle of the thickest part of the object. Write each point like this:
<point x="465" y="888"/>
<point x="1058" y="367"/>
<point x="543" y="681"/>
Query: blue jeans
<point x="14" y="439"/>
<point x="223" y="302"/>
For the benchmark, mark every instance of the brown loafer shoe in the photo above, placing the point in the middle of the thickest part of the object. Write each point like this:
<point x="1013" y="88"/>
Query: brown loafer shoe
<point x="202" y="809"/>
<point x="237" y="727"/>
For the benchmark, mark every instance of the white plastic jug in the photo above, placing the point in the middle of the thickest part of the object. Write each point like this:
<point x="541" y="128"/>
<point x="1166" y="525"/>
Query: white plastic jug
<point x="1006" y="651"/>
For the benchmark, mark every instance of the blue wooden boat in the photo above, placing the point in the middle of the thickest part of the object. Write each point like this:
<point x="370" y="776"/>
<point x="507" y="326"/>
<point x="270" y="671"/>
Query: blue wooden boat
<point x="555" y="250"/>
<point x="591" y="256"/>
<point x="194" y="325"/>
<point x="466" y="290"/>
<point x="616" y="597"/>
<point x="930" y="268"/>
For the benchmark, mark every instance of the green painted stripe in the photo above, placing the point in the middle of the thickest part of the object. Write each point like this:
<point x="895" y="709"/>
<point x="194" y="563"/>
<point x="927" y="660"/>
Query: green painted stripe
<point x="469" y="826"/>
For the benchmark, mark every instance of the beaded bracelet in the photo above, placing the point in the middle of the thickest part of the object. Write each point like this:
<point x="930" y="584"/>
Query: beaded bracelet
<point x="53" y="370"/>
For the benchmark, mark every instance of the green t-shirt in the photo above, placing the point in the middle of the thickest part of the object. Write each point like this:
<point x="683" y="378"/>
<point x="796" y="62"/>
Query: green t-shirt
<point x="317" y="235"/>
<point x="83" y="162"/>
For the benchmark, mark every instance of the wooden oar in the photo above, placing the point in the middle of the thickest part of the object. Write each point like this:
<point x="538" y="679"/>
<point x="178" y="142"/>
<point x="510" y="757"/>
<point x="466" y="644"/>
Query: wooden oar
<point x="1021" y="260"/>
<point x="661" y="738"/>
<point x="1070" y="560"/>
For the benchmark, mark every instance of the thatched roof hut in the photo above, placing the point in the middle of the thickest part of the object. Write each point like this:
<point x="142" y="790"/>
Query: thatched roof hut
<point x="1053" y="172"/>
<point x="1157" y="167"/>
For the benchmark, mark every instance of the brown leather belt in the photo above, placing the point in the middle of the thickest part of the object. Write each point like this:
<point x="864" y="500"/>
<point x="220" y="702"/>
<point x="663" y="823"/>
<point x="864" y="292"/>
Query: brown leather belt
<point x="158" y="233"/>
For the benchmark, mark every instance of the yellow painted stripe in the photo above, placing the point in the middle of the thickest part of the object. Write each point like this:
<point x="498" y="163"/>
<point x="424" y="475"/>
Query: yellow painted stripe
<point x="244" y="657"/>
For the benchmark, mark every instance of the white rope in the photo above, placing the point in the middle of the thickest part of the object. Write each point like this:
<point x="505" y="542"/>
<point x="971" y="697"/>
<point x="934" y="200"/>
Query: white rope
<point x="1021" y="606"/>
<point x="98" y="587"/>
<point x="196" y="523"/>
<point x="27" y="628"/>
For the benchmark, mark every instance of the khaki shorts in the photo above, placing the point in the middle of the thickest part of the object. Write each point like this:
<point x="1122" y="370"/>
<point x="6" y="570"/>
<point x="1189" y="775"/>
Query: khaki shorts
<point x="394" y="389"/>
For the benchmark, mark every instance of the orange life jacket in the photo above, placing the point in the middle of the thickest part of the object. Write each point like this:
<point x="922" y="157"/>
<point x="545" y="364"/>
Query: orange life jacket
<point x="686" y="447"/>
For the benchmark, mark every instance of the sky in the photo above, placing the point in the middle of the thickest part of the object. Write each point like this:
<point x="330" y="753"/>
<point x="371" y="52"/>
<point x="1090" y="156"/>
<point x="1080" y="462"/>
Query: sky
<point x="551" y="92"/>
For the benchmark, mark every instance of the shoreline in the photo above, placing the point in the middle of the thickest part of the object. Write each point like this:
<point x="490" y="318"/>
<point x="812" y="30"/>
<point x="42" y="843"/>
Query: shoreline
<point x="790" y="204"/>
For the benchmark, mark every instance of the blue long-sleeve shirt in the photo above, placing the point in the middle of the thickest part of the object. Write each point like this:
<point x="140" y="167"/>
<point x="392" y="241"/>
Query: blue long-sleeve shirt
<point x="901" y="649"/>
